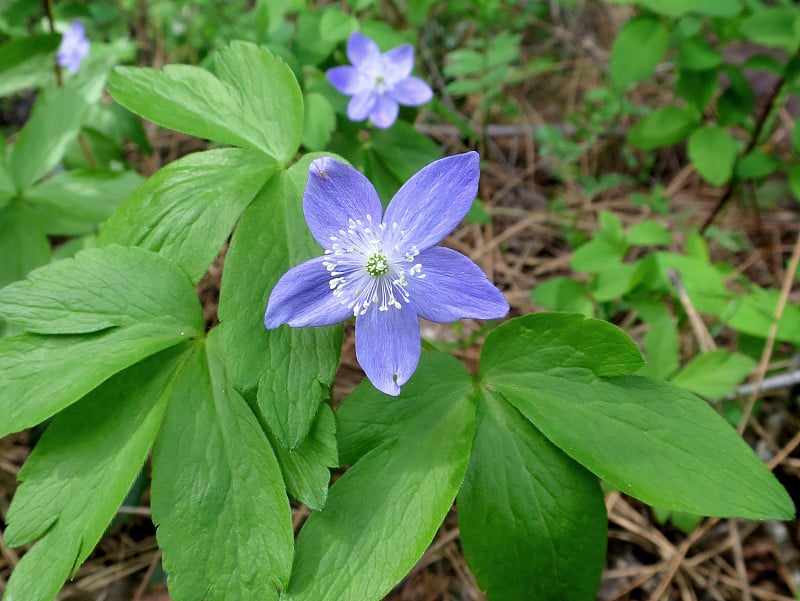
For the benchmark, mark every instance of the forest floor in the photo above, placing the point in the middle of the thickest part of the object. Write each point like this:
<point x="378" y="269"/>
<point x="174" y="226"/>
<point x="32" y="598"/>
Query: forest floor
<point x="521" y="246"/>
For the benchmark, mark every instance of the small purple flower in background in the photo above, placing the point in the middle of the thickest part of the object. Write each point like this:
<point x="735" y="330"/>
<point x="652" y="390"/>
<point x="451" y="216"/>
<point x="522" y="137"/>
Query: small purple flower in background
<point x="377" y="82"/>
<point x="386" y="271"/>
<point x="74" y="47"/>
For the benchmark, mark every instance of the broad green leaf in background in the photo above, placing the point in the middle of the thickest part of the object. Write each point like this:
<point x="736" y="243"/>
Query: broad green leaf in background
<point x="696" y="54"/>
<point x="532" y="521"/>
<point x="757" y="165"/>
<point x="651" y="439"/>
<point x="596" y="255"/>
<point x="306" y="468"/>
<point x="663" y="127"/>
<point x="713" y="152"/>
<point x="403" y="149"/>
<point x="637" y="49"/>
<point x="648" y="233"/>
<point x="735" y="103"/>
<point x="679" y="8"/>
<point x="54" y="123"/>
<point x="774" y="26"/>
<point x="23" y="245"/>
<point x="79" y="473"/>
<point x="563" y="294"/>
<point x="714" y="374"/>
<point x="703" y="282"/>
<point x="662" y="344"/>
<point x="293" y="367"/>
<point x="319" y="121"/>
<point x="754" y="314"/>
<point x="252" y="101"/>
<point x="383" y="513"/>
<point x="101" y="288"/>
<point x="615" y="280"/>
<point x="81" y="196"/>
<point x="187" y="210"/>
<point x="218" y="498"/>
<point x="27" y="62"/>
<point x="697" y="87"/>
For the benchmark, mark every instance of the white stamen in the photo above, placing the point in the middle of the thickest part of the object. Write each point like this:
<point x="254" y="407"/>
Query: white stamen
<point x="367" y="266"/>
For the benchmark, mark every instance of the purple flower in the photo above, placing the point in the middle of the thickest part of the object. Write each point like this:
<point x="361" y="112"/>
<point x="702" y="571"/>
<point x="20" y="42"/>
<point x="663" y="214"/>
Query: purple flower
<point x="377" y="82"/>
<point x="386" y="271"/>
<point x="74" y="47"/>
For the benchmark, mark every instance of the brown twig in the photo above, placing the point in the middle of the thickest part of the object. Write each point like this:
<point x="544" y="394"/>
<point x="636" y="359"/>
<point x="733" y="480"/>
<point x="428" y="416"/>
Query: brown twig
<point x="758" y="130"/>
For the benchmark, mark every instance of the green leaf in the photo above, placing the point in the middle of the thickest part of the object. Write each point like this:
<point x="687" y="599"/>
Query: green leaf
<point x="293" y="367"/>
<point x="650" y="439"/>
<point x="596" y="255"/>
<point x="41" y="375"/>
<point x="615" y="280"/>
<point x="714" y="374"/>
<point x="793" y="174"/>
<point x="319" y="121"/>
<point x="754" y="314"/>
<point x="187" y="210"/>
<point x="663" y="127"/>
<point x="563" y="294"/>
<point x="305" y="469"/>
<point x="663" y="349"/>
<point x="532" y="521"/>
<point x="23" y="245"/>
<point x="54" y="123"/>
<point x="757" y="165"/>
<point x="80" y="471"/>
<point x="679" y="8"/>
<point x="696" y="54"/>
<point x="736" y="101"/>
<point x="648" y="233"/>
<point x="27" y="62"/>
<point x="713" y="152"/>
<point x="253" y="101"/>
<point x="637" y="50"/>
<point x="382" y="514"/>
<point x="796" y="136"/>
<point x="403" y="149"/>
<point x="773" y="26"/>
<point x="85" y="196"/>
<point x="218" y="498"/>
<point x="697" y="87"/>
<point x="550" y="339"/>
<point x="102" y="288"/>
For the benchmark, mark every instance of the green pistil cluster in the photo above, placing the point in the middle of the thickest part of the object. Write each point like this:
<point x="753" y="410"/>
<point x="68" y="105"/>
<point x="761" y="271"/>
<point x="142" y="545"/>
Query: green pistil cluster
<point x="377" y="265"/>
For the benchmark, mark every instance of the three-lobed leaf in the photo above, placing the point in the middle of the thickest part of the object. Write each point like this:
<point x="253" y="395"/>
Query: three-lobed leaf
<point x="80" y="471"/>
<point x="651" y="439"/>
<point x="293" y="367"/>
<point x="187" y="210"/>
<point x="102" y="288"/>
<point x="218" y="498"/>
<point x="382" y="514"/>
<point x="532" y="520"/>
<point x="97" y="319"/>
<point x="253" y="101"/>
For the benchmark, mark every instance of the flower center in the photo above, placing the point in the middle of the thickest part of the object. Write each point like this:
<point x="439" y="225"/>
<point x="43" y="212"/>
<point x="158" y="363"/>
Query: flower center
<point x="367" y="267"/>
<point x="377" y="265"/>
